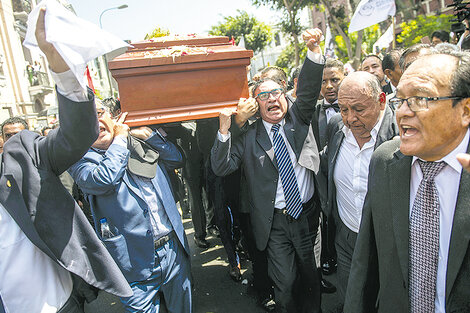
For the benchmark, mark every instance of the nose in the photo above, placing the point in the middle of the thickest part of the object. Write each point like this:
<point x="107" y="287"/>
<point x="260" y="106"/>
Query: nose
<point x="329" y="85"/>
<point x="403" y="110"/>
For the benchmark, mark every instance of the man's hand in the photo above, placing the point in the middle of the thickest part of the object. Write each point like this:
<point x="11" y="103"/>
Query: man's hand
<point x="225" y="120"/>
<point x="143" y="132"/>
<point x="56" y="62"/>
<point x="464" y="159"/>
<point x="121" y="129"/>
<point x="312" y="38"/>
<point x="246" y="108"/>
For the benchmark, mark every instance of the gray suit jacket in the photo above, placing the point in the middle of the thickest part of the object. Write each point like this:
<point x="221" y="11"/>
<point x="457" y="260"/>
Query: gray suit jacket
<point x="387" y="131"/>
<point x="32" y="193"/>
<point x="379" y="272"/>
<point x="254" y="152"/>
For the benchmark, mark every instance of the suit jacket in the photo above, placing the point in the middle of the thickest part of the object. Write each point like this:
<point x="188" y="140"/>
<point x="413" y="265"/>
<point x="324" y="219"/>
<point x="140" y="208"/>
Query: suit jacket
<point x="319" y="125"/>
<point x="387" y="131"/>
<point x="32" y="193"/>
<point x="253" y="150"/>
<point x="379" y="272"/>
<point x="113" y="194"/>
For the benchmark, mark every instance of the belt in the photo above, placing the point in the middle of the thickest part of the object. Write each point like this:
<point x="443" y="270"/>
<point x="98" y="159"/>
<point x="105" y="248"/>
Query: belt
<point x="306" y="206"/>
<point x="160" y="242"/>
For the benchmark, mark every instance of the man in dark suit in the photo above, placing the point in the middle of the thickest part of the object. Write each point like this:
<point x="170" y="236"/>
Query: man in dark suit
<point x="50" y="257"/>
<point x="364" y="124"/>
<point x="412" y="252"/>
<point x="326" y="108"/>
<point x="279" y="156"/>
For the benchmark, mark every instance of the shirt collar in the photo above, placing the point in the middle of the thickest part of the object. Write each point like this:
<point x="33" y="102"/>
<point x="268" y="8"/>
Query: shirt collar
<point x="451" y="158"/>
<point x="268" y="125"/>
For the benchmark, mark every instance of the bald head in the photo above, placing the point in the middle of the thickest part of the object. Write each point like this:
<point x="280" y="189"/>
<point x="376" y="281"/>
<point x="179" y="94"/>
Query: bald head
<point x="363" y="83"/>
<point x="361" y="103"/>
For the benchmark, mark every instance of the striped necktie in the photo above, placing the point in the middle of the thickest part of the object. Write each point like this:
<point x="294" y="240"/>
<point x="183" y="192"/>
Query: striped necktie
<point x="424" y="241"/>
<point x="286" y="171"/>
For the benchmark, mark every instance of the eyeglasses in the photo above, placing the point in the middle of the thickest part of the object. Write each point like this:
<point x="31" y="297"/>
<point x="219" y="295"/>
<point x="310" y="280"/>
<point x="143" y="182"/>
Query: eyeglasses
<point x="276" y="93"/>
<point x="417" y="104"/>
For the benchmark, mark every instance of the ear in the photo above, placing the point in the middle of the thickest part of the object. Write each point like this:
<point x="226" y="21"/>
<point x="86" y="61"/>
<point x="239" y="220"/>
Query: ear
<point x="382" y="100"/>
<point x="466" y="112"/>
<point x="388" y="72"/>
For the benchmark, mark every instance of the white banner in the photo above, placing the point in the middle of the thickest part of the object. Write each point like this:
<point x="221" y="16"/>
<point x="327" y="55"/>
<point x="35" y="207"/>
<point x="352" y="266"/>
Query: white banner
<point x="385" y="40"/>
<point x="370" y="12"/>
<point x="329" y="44"/>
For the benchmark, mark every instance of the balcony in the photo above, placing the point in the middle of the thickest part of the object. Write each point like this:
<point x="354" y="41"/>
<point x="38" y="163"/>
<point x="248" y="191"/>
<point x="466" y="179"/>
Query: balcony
<point x="39" y="84"/>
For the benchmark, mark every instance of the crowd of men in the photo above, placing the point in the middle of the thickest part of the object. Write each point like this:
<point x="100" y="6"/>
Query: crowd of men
<point x="367" y="181"/>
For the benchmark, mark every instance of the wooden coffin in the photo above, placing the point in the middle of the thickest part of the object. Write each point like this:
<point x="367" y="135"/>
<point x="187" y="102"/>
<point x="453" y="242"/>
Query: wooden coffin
<point x="160" y="82"/>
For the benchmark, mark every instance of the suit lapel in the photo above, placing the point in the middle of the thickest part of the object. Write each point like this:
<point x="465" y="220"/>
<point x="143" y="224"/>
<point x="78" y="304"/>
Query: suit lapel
<point x="289" y="130"/>
<point x="263" y="140"/>
<point x="385" y="132"/>
<point x="400" y="173"/>
<point x="13" y="202"/>
<point x="459" y="240"/>
<point x="335" y="145"/>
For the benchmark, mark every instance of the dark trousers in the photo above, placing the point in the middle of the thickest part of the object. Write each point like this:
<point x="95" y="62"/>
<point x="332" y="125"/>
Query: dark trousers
<point x="259" y="259"/>
<point x="290" y="255"/>
<point x="345" y="242"/>
<point x="225" y="209"/>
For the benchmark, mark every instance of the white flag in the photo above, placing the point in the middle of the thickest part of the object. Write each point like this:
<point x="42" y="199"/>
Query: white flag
<point x="370" y="12"/>
<point x="329" y="44"/>
<point x="385" y="40"/>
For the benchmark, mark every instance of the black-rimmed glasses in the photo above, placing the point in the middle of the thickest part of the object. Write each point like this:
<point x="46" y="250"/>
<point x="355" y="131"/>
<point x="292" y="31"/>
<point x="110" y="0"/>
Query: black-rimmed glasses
<point x="276" y="93"/>
<point x="417" y="104"/>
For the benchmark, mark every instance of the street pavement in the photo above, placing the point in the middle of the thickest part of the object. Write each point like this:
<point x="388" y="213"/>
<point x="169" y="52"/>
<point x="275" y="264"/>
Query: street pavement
<point x="214" y="291"/>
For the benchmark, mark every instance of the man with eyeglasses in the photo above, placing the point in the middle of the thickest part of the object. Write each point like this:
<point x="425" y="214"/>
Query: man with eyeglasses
<point x="279" y="156"/>
<point x="412" y="253"/>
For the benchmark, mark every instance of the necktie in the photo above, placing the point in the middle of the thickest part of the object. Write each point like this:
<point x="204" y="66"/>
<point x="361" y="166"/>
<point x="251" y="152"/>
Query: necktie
<point x="325" y="105"/>
<point x="286" y="171"/>
<point x="424" y="241"/>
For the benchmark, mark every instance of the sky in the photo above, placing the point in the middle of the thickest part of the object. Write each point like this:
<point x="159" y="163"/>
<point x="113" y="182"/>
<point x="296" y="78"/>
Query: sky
<point x="179" y="16"/>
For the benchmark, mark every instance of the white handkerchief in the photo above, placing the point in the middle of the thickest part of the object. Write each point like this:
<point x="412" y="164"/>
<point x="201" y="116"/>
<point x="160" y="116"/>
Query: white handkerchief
<point x="77" y="41"/>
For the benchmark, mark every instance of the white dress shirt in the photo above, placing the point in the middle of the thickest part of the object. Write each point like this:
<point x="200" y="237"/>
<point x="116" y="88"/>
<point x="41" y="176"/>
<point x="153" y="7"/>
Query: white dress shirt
<point x="304" y="176"/>
<point x="351" y="175"/>
<point x="330" y="112"/>
<point x="30" y="281"/>
<point x="447" y="184"/>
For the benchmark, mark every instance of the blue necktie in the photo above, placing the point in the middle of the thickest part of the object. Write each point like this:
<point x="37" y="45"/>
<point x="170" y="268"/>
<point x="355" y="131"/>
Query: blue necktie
<point x="286" y="171"/>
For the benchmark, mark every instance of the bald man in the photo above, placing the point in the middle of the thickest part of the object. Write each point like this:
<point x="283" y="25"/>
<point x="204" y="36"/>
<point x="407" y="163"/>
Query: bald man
<point x="364" y="123"/>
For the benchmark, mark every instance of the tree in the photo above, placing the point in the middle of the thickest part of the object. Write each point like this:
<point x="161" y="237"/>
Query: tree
<point x="157" y="32"/>
<point x="256" y="34"/>
<point x="286" y="59"/>
<point x="290" y="24"/>
<point x="414" y="30"/>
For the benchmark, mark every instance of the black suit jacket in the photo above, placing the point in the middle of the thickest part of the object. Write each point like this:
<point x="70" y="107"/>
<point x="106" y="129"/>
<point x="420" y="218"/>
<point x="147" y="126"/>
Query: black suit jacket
<point x="32" y="193"/>
<point x="387" y="131"/>
<point x="379" y="272"/>
<point x="253" y="150"/>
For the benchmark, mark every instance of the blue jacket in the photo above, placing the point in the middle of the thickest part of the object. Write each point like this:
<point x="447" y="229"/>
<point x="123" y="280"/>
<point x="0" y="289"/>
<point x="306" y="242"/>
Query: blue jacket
<point x="112" y="193"/>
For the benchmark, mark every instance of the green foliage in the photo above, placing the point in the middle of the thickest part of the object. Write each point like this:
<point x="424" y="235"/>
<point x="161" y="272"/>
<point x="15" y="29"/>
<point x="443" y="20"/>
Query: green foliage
<point x="371" y="35"/>
<point x="157" y="32"/>
<point x="286" y="59"/>
<point x="256" y="34"/>
<point x="414" y="30"/>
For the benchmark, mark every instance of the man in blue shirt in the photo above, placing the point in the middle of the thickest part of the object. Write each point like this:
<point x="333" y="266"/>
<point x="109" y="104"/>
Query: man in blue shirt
<point x="124" y="176"/>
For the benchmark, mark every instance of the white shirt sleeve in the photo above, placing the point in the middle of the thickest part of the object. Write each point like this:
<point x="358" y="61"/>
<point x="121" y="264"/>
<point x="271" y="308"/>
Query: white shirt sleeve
<point x="223" y="138"/>
<point x="315" y="57"/>
<point x="69" y="87"/>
